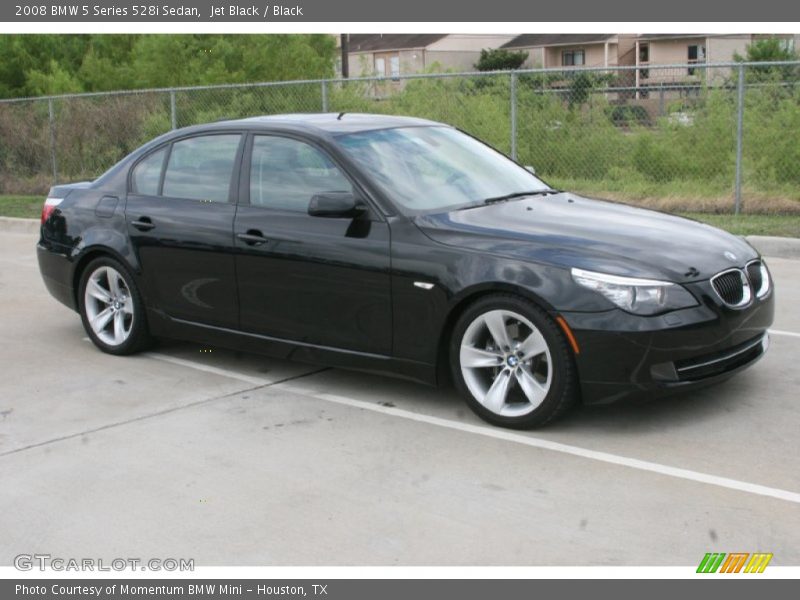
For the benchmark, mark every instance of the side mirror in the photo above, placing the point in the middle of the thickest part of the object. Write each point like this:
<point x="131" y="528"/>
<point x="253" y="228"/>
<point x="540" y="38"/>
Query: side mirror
<point x="335" y="205"/>
<point x="530" y="169"/>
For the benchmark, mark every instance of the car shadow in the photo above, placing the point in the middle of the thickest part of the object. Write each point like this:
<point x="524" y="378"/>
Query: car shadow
<point x="629" y="416"/>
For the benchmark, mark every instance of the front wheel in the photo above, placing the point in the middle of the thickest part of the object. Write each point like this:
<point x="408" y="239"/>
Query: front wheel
<point x="511" y="363"/>
<point x="111" y="308"/>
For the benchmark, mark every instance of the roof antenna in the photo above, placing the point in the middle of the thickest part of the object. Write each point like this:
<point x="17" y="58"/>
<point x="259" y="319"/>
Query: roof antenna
<point x="339" y="118"/>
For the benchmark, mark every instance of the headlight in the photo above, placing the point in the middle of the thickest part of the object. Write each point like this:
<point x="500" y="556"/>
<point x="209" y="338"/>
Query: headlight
<point x="639" y="296"/>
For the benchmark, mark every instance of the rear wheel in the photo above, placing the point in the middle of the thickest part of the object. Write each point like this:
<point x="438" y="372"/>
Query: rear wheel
<point x="111" y="308"/>
<point x="511" y="363"/>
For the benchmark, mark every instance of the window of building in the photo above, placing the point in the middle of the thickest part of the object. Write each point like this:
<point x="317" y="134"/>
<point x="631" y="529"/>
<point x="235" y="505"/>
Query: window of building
<point x="697" y="54"/>
<point x="387" y="65"/>
<point x="644" y="53"/>
<point x="573" y="58"/>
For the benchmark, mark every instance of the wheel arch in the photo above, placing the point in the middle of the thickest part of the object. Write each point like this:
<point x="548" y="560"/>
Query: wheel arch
<point x="86" y="256"/>
<point x="462" y="302"/>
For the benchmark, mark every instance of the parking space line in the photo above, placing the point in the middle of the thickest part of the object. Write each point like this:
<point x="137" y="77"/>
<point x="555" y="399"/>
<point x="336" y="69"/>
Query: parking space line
<point x="543" y="444"/>
<point x="506" y="435"/>
<point x="129" y="421"/>
<point x="209" y="369"/>
<point x="787" y="333"/>
<point x="172" y="409"/>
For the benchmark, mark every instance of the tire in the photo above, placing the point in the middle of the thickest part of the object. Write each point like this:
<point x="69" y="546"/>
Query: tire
<point x="511" y="363"/>
<point x="111" y="308"/>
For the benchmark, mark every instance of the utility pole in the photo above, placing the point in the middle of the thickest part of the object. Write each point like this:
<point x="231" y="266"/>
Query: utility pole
<point x="345" y="44"/>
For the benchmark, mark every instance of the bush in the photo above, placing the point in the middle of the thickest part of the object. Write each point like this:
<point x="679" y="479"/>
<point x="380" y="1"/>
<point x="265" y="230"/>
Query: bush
<point x="587" y="144"/>
<point x="622" y="115"/>
<point x="499" y="59"/>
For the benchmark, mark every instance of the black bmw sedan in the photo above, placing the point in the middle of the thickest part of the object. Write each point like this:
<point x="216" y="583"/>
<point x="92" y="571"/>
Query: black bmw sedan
<point x="402" y="246"/>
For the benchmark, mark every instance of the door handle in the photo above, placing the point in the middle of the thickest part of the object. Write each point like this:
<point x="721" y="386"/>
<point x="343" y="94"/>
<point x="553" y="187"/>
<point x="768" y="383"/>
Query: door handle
<point x="253" y="237"/>
<point x="143" y="224"/>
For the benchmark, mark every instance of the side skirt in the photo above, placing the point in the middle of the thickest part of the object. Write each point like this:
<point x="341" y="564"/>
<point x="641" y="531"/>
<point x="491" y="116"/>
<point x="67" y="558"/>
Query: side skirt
<point x="162" y="325"/>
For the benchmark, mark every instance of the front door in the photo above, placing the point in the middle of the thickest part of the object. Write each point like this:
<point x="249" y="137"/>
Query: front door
<point x="313" y="280"/>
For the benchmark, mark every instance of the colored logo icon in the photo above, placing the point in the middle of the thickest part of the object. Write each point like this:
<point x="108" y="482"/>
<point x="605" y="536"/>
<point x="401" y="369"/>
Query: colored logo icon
<point x="735" y="562"/>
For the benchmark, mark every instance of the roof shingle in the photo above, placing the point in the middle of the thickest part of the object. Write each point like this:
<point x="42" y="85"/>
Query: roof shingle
<point x="534" y="40"/>
<point x="378" y="42"/>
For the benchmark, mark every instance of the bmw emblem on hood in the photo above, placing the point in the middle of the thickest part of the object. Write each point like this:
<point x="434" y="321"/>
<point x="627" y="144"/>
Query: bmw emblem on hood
<point x="730" y="255"/>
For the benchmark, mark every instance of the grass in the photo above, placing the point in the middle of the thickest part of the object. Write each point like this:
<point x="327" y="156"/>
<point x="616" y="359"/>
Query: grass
<point x="26" y="207"/>
<point x="745" y="224"/>
<point x="700" y="196"/>
<point x="777" y="225"/>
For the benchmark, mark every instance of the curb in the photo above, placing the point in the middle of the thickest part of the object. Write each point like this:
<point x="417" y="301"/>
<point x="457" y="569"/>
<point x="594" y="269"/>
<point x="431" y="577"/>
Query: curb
<point x="18" y="225"/>
<point x="780" y="247"/>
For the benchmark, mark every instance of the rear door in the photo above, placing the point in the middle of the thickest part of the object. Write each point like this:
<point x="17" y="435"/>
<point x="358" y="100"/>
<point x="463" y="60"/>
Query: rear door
<point x="179" y="217"/>
<point x="319" y="281"/>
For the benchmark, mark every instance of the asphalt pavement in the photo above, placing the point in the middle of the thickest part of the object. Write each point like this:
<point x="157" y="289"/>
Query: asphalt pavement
<point x="236" y="459"/>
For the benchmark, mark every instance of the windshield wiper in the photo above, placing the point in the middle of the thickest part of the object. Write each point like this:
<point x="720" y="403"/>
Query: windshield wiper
<point x="519" y="195"/>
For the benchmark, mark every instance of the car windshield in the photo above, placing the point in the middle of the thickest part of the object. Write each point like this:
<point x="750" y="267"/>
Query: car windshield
<point x="437" y="169"/>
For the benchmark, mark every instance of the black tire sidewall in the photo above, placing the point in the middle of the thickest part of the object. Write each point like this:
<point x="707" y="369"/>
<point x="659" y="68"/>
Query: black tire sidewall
<point x="139" y="336"/>
<point x="562" y="392"/>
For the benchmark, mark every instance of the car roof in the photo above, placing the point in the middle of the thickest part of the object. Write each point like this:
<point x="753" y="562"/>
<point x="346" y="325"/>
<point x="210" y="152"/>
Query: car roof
<point x="319" y="124"/>
<point x="332" y="123"/>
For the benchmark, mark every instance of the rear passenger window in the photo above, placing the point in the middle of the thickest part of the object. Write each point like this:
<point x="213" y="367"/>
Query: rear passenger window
<point x="200" y="168"/>
<point x="286" y="173"/>
<point x="147" y="174"/>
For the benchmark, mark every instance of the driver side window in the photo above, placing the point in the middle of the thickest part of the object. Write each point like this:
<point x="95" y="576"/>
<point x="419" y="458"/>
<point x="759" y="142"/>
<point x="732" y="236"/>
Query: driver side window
<point x="286" y="173"/>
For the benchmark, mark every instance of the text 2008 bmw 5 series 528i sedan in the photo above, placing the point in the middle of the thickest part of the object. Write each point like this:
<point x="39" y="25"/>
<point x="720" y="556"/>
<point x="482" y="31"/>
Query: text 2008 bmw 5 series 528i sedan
<point x="402" y="246"/>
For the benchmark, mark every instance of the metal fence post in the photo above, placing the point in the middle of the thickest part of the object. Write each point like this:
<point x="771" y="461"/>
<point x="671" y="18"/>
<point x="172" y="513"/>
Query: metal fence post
<point x="514" y="116"/>
<point x="173" y="110"/>
<point x="324" y="96"/>
<point x="739" y="134"/>
<point x="51" y="118"/>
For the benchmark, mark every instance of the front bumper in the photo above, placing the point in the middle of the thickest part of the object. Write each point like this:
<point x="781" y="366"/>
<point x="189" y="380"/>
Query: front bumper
<point x="624" y="355"/>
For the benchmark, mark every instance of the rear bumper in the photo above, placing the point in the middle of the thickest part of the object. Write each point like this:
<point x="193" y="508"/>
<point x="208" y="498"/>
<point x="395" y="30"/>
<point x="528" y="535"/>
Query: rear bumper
<point x="57" y="270"/>
<point x="627" y="356"/>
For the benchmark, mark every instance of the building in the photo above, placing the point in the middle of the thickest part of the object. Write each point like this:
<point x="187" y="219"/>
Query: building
<point x="574" y="49"/>
<point x="656" y="50"/>
<point x="390" y="55"/>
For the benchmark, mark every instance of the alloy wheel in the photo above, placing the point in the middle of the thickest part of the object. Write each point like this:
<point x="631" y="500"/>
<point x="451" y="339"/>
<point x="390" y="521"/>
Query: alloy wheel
<point x="108" y="305"/>
<point x="505" y="362"/>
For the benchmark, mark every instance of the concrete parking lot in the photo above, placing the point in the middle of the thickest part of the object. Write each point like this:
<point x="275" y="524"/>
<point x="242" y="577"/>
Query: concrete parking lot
<point x="235" y="459"/>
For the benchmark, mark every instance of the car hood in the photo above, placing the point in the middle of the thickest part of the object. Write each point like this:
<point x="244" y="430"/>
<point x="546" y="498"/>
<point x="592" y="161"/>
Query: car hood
<point x="566" y="230"/>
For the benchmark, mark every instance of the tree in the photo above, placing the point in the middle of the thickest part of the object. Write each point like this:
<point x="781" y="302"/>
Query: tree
<point x="582" y="84"/>
<point x="770" y="49"/>
<point x="500" y="59"/>
<point x="172" y="60"/>
<point x="34" y="65"/>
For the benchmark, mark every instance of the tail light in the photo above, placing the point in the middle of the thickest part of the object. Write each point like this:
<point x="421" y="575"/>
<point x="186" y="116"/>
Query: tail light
<point x="48" y="207"/>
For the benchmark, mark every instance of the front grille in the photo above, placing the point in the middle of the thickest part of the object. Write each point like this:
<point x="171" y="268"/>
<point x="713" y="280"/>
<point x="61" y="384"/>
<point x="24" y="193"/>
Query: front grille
<point x="700" y="367"/>
<point x="732" y="288"/>
<point x="759" y="278"/>
<point x="754" y="274"/>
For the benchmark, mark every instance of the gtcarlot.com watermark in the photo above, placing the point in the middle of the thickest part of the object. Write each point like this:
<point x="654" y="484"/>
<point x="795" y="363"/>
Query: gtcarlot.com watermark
<point x="43" y="562"/>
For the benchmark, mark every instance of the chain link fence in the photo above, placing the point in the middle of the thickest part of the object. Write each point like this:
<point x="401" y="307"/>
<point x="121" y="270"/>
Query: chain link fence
<point x="691" y="137"/>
